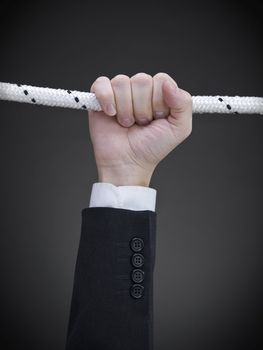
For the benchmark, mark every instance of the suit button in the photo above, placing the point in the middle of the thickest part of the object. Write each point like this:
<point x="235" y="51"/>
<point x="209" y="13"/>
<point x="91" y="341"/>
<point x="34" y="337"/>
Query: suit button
<point x="137" y="260"/>
<point x="137" y="291"/>
<point x="137" y="276"/>
<point x="137" y="244"/>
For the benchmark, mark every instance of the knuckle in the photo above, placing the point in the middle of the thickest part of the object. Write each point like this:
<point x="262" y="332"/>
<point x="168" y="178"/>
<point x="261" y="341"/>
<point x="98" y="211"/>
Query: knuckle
<point x="141" y="78"/>
<point x="161" y="76"/>
<point x="92" y="88"/>
<point x="103" y="95"/>
<point x="101" y="79"/>
<point x="187" y="97"/>
<point x="120" y="79"/>
<point x="97" y="82"/>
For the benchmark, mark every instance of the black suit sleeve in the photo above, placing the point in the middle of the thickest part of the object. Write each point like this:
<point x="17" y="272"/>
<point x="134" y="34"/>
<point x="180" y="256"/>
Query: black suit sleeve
<point x="112" y="300"/>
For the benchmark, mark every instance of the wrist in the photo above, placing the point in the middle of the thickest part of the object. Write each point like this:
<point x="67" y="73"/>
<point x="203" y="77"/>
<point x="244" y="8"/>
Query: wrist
<point x="125" y="176"/>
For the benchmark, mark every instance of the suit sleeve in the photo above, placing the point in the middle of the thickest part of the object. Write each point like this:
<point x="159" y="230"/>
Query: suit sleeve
<point x="112" y="300"/>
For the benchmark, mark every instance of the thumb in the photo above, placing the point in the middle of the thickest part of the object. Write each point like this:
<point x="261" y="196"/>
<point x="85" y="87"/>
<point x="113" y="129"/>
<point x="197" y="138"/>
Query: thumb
<point x="180" y="103"/>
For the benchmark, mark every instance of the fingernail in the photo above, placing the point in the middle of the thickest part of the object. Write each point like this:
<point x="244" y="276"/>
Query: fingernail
<point x="159" y="115"/>
<point x="143" y="121"/>
<point x="127" y="122"/>
<point x="110" y="109"/>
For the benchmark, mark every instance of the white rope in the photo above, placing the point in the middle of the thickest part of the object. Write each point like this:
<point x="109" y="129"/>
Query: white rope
<point x="86" y="100"/>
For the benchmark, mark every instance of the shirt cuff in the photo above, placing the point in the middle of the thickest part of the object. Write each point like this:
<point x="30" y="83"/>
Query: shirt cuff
<point x="125" y="197"/>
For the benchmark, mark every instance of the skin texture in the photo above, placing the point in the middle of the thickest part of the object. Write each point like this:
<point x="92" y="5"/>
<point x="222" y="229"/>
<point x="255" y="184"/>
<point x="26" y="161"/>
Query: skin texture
<point x="143" y="119"/>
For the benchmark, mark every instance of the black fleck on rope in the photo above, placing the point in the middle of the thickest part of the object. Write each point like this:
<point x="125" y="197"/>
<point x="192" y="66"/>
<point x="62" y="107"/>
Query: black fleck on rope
<point x="26" y="92"/>
<point x="227" y="105"/>
<point x="75" y="98"/>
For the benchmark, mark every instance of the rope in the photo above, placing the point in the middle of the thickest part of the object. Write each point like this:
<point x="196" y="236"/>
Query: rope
<point x="86" y="100"/>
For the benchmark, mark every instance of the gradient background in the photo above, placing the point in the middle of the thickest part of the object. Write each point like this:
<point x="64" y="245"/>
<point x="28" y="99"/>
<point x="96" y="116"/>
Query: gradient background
<point x="208" y="277"/>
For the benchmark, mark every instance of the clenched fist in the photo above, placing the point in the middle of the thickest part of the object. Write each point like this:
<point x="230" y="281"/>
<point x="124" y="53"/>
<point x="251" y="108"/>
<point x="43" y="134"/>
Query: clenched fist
<point x="143" y="119"/>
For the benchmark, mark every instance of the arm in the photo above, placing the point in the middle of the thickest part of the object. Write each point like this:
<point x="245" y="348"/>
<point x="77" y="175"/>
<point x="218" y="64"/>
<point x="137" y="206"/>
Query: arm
<point x="143" y="119"/>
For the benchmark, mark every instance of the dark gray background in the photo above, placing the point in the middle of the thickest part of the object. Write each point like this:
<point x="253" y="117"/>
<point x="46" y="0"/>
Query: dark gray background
<point x="208" y="277"/>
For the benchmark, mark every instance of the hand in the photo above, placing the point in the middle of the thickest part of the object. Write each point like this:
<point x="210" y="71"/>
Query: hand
<point x="143" y="119"/>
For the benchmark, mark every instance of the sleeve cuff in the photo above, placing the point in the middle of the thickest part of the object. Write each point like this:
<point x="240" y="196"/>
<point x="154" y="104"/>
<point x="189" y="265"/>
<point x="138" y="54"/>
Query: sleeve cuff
<point x="124" y="197"/>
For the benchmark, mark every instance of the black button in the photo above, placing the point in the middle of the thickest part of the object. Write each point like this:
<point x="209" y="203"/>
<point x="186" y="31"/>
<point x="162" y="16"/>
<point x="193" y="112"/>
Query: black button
<point x="137" y="291"/>
<point x="137" y="276"/>
<point x="137" y="244"/>
<point x="137" y="260"/>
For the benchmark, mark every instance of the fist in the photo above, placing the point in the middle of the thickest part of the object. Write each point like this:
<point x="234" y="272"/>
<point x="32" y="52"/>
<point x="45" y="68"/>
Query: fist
<point x="143" y="118"/>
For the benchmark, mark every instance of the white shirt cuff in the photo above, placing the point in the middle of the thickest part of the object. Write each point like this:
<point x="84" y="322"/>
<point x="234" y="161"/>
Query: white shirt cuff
<point x="125" y="197"/>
